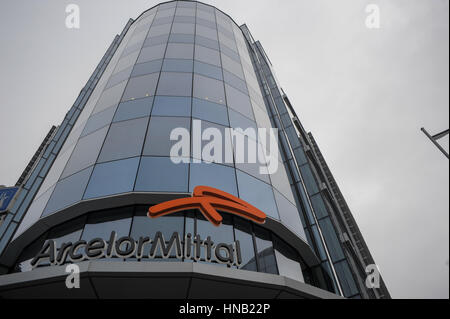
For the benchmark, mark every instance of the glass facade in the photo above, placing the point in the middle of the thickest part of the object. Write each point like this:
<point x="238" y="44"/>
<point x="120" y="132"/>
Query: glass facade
<point x="176" y="64"/>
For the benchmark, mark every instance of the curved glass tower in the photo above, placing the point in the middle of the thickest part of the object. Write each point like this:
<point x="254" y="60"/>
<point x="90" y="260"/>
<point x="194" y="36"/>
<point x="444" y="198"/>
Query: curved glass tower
<point x="184" y="67"/>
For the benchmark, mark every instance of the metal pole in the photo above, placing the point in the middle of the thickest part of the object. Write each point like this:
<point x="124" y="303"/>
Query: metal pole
<point x="433" y="139"/>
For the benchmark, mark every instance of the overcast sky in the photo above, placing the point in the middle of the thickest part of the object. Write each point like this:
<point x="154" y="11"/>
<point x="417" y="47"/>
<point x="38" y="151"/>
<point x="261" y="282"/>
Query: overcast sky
<point x="363" y="93"/>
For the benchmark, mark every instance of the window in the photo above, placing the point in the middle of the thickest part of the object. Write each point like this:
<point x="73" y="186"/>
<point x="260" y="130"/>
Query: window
<point x="209" y="111"/>
<point x="181" y="38"/>
<point x="288" y="260"/>
<point x="319" y="206"/>
<point x="109" y="97"/>
<point x="331" y="239"/>
<point x="239" y="101"/>
<point x="155" y="40"/>
<point x="177" y="84"/>
<point x="125" y="139"/>
<point x="142" y="86"/>
<point x="158" y="30"/>
<point x="308" y="177"/>
<point x="172" y="106"/>
<point x="212" y="44"/>
<point x="126" y="61"/>
<point x="158" y="137"/>
<point x="155" y="52"/>
<point x="232" y="66"/>
<point x="146" y="68"/>
<point x="99" y="120"/>
<point x="133" y="109"/>
<point x="177" y="65"/>
<point x="180" y="51"/>
<point x="184" y="19"/>
<point x="206" y="32"/>
<point x="206" y="55"/>
<point x="209" y="89"/>
<point x="243" y="233"/>
<point x="208" y="70"/>
<point x="86" y="152"/>
<point x="346" y="279"/>
<point x="68" y="191"/>
<point x="160" y="174"/>
<point x="289" y="215"/>
<point x="119" y="77"/>
<point x="257" y="193"/>
<point x="235" y="81"/>
<point x="184" y="28"/>
<point x="214" y="175"/>
<point x="264" y="250"/>
<point x="112" y="178"/>
<point x="101" y="224"/>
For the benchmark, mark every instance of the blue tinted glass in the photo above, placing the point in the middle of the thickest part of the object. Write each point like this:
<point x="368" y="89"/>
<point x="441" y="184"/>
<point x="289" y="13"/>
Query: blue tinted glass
<point x="99" y="120"/>
<point x="214" y="175"/>
<point x="146" y="68"/>
<point x="172" y="106"/>
<point x="209" y="111"/>
<point x="212" y="44"/>
<point x="177" y="84"/>
<point x="346" y="278"/>
<point x="319" y="206"/>
<point x="238" y="120"/>
<point x="133" y="109"/>
<point x="257" y="193"/>
<point x="243" y="233"/>
<point x="308" y="177"/>
<point x="177" y="65"/>
<point x="101" y="224"/>
<point x="68" y="191"/>
<point x="208" y="70"/>
<point x="331" y="239"/>
<point x="160" y="174"/>
<point x="264" y="249"/>
<point x="112" y="178"/>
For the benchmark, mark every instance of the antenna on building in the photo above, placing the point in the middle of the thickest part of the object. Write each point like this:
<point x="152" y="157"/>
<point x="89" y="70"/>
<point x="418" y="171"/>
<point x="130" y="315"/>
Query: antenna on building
<point x="434" y="138"/>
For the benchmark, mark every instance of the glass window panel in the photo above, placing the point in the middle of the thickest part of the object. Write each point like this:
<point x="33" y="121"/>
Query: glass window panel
<point x="181" y="38"/>
<point x="155" y="40"/>
<point x="257" y="193"/>
<point x="177" y="84"/>
<point x="219" y="151"/>
<point x="232" y="66"/>
<point x="99" y="120"/>
<point x="158" y="137"/>
<point x="235" y="81"/>
<point x="214" y="175"/>
<point x="180" y="51"/>
<point x="133" y="109"/>
<point x="208" y="89"/>
<point x="145" y="226"/>
<point x="212" y="44"/>
<point x="331" y="239"/>
<point x="288" y="260"/>
<point x="206" y="32"/>
<point x="142" y="86"/>
<point x="112" y="178"/>
<point x="85" y="152"/>
<point x="146" y="68"/>
<point x="300" y="156"/>
<point x="243" y="233"/>
<point x="230" y="53"/>
<point x="110" y="97"/>
<point x="309" y="180"/>
<point x="119" y="77"/>
<point x="184" y="28"/>
<point x="101" y="224"/>
<point x="126" y="61"/>
<point x="159" y="30"/>
<point x="264" y="250"/>
<point x="254" y="169"/>
<point x="289" y="215"/>
<point x="184" y="19"/>
<point x="207" y="55"/>
<point x="160" y="174"/>
<point x="185" y="12"/>
<point x="162" y="20"/>
<point x="346" y="279"/>
<point x="177" y="65"/>
<point x="206" y="21"/>
<point x="281" y="182"/>
<point x="208" y="70"/>
<point x="68" y="191"/>
<point x="222" y="234"/>
<point x="239" y="121"/>
<point x="118" y="143"/>
<point x="154" y="52"/>
<point x="319" y="206"/>
<point x="172" y="106"/>
<point x="239" y="101"/>
<point x="209" y="111"/>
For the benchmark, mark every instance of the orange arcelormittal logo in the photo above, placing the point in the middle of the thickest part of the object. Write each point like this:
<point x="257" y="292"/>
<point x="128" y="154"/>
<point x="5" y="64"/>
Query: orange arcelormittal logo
<point x="208" y="200"/>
